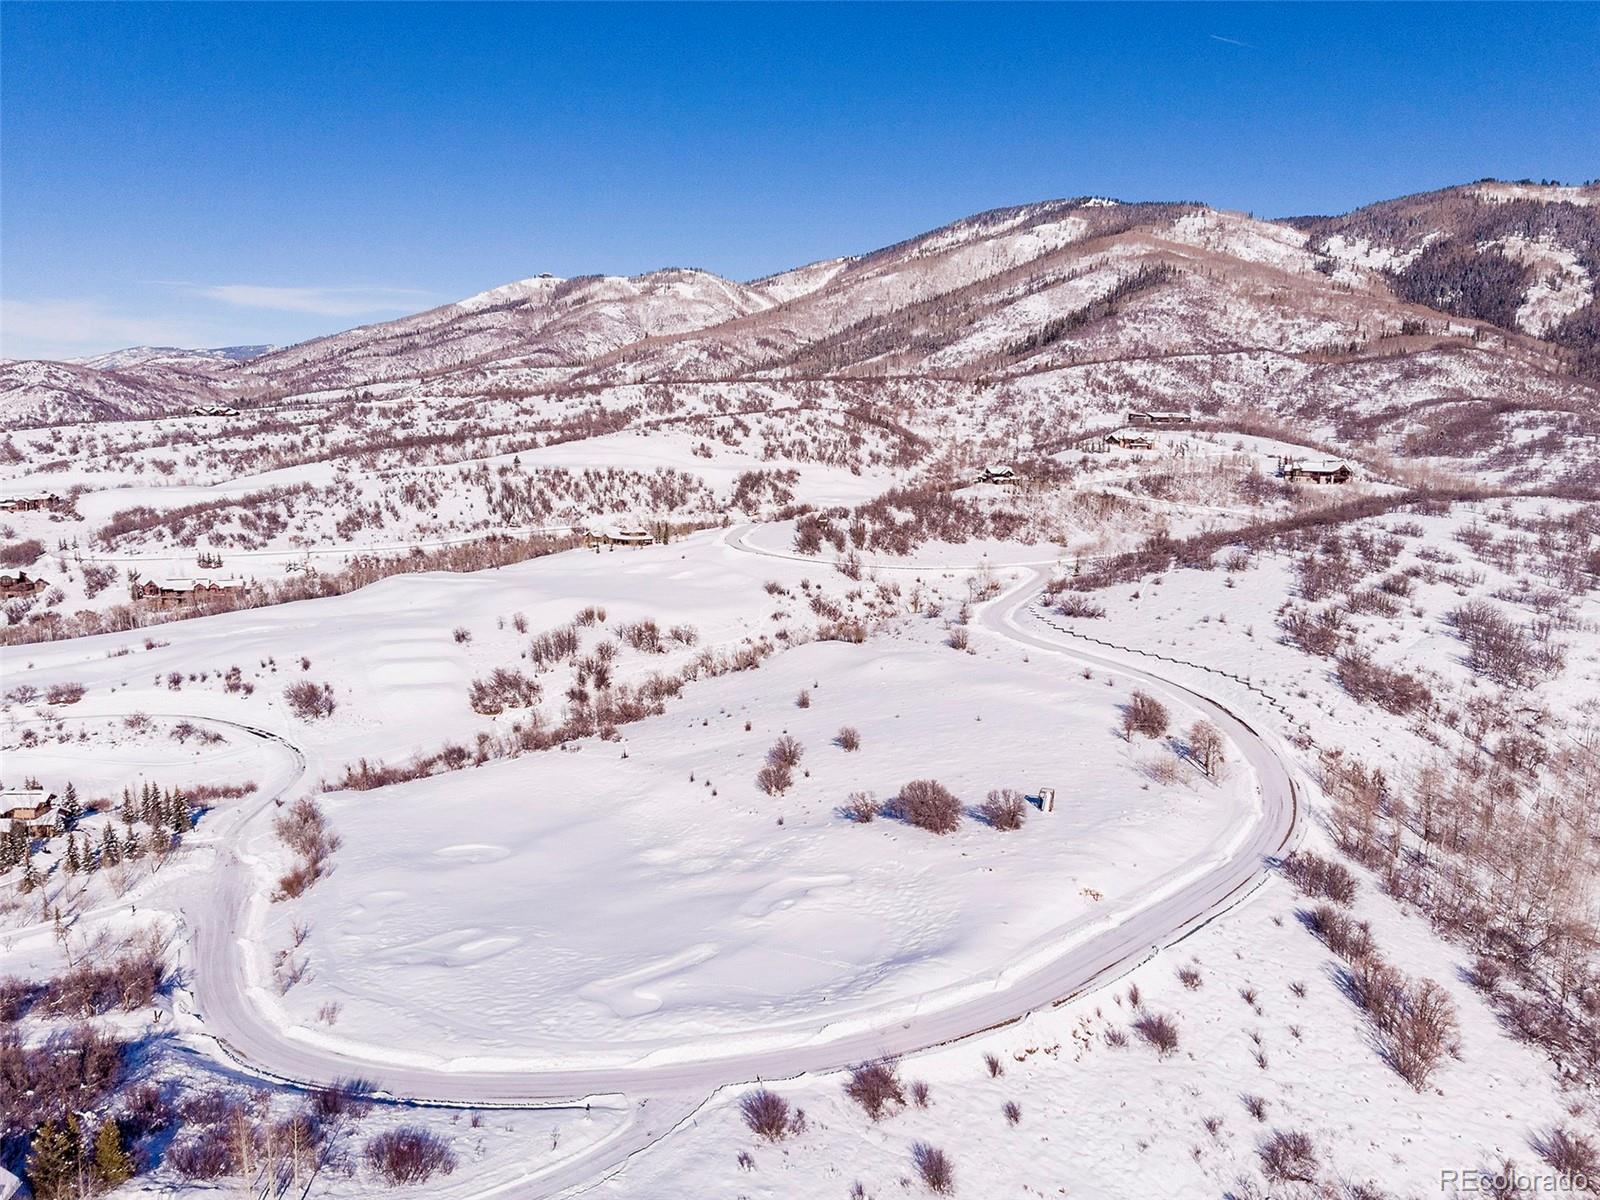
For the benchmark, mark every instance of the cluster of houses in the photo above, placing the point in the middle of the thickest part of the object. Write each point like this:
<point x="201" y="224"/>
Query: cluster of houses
<point x="171" y="592"/>
<point x="30" y="502"/>
<point x="19" y="583"/>
<point x="31" y="810"/>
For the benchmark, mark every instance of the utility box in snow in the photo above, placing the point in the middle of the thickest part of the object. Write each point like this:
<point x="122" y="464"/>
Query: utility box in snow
<point x="1047" y="800"/>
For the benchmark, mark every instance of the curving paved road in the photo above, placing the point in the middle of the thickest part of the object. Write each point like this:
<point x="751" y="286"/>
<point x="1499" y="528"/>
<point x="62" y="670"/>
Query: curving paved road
<point x="1093" y="951"/>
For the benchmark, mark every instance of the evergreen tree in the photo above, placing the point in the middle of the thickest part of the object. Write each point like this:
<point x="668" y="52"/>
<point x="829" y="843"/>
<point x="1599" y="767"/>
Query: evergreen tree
<point x="178" y="818"/>
<point x="30" y="877"/>
<point x="90" y="862"/>
<point x="71" y="809"/>
<point x="50" y="1161"/>
<point x="111" y="1162"/>
<point x="131" y="846"/>
<point x="129" y="811"/>
<point x="110" y="848"/>
<point x="72" y="862"/>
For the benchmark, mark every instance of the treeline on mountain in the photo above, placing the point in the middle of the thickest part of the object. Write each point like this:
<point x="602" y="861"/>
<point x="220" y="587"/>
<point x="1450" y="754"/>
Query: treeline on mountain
<point x="1466" y="281"/>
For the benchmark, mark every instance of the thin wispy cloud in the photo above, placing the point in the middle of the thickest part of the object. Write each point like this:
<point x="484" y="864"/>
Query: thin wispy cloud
<point x="316" y="301"/>
<point x="33" y="327"/>
<point x="1228" y="41"/>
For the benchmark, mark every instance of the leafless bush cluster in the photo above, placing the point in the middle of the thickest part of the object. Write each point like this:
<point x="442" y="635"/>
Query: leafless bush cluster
<point x="934" y="1168"/>
<point x="1289" y="1156"/>
<point x="861" y="808"/>
<point x="129" y="982"/>
<point x="602" y="712"/>
<point x="1532" y="928"/>
<point x="777" y="775"/>
<point x="1503" y="650"/>
<point x="929" y="805"/>
<point x="1321" y="877"/>
<point x="1158" y="1030"/>
<point x="1398" y="692"/>
<point x="304" y="829"/>
<point x="409" y="1154"/>
<point x="64" y="693"/>
<point x="1004" y="808"/>
<point x="1415" y="1020"/>
<point x="310" y="701"/>
<point x="20" y="554"/>
<point x="69" y="1071"/>
<point x="1144" y="714"/>
<point x="1076" y="604"/>
<point x="876" y="1087"/>
<point x="768" y="1115"/>
<point x="848" y="739"/>
<point x="503" y="688"/>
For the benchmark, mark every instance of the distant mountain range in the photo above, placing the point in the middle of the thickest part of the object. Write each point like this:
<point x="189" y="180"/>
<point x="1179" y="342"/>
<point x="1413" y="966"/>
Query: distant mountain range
<point x="1490" y="286"/>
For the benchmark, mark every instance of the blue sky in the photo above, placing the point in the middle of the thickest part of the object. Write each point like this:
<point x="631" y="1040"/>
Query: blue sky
<point x="208" y="174"/>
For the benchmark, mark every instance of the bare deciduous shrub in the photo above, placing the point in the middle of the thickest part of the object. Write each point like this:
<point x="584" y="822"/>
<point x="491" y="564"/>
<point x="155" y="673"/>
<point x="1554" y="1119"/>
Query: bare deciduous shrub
<point x="461" y="634"/>
<point x="343" y="1098"/>
<point x="1570" y="1154"/>
<point x="861" y="808"/>
<point x="409" y="1154"/>
<point x="933" y="1167"/>
<point x="1146" y="715"/>
<point x="1012" y="1111"/>
<point x="876" y="1087"/>
<point x="1289" y="1156"/>
<point x="774" y="779"/>
<point x="1393" y="691"/>
<point x="1158" y="1030"/>
<point x="20" y="554"/>
<point x="786" y="752"/>
<point x="1005" y="808"/>
<point x="803" y="700"/>
<point x="1206" y="746"/>
<point x="1076" y="604"/>
<point x="1318" y="876"/>
<point x="929" y="805"/>
<point x="503" y="689"/>
<point x="310" y="701"/>
<point x="848" y="739"/>
<point x="1255" y="1106"/>
<point x="766" y="1113"/>
<point x="995" y="1067"/>
<point x="919" y="1093"/>
<point x="958" y="638"/>
<point x="1350" y="939"/>
<point x="1424" y="1033"/>
<point x="1190" y="977"/>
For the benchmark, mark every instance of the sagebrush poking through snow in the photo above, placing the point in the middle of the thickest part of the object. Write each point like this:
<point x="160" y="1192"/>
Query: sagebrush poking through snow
<point x="407" y="1155"/>
<point x="876" y="1087"/>
<point x="929" y="805"/>
<point x="766" y="1113"/>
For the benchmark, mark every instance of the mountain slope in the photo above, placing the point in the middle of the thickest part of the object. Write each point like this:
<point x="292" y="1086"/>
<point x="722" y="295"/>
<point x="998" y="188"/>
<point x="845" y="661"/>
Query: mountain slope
<point x="1524" y="256"/>
<point x="1500" y="275"/>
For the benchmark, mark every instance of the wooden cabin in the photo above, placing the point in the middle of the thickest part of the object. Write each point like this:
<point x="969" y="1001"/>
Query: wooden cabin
<point x="31" y="502"/>
<point x="1160" y="418"/>
<point x="19" y="583"/>
<point x="997" y="473"/>
<point x="1122" y="439"/>
<point x="214" y="410"/>
<point x="30" y="809"/>
<point x="624" y="533"/>
<point x="1316" y="470"/>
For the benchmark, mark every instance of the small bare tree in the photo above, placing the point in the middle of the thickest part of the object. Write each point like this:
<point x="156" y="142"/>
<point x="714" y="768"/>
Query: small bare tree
<point x="1206" y="745"/>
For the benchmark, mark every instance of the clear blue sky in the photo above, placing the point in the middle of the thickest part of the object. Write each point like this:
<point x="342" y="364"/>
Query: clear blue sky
<point x="211" y="174"/>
